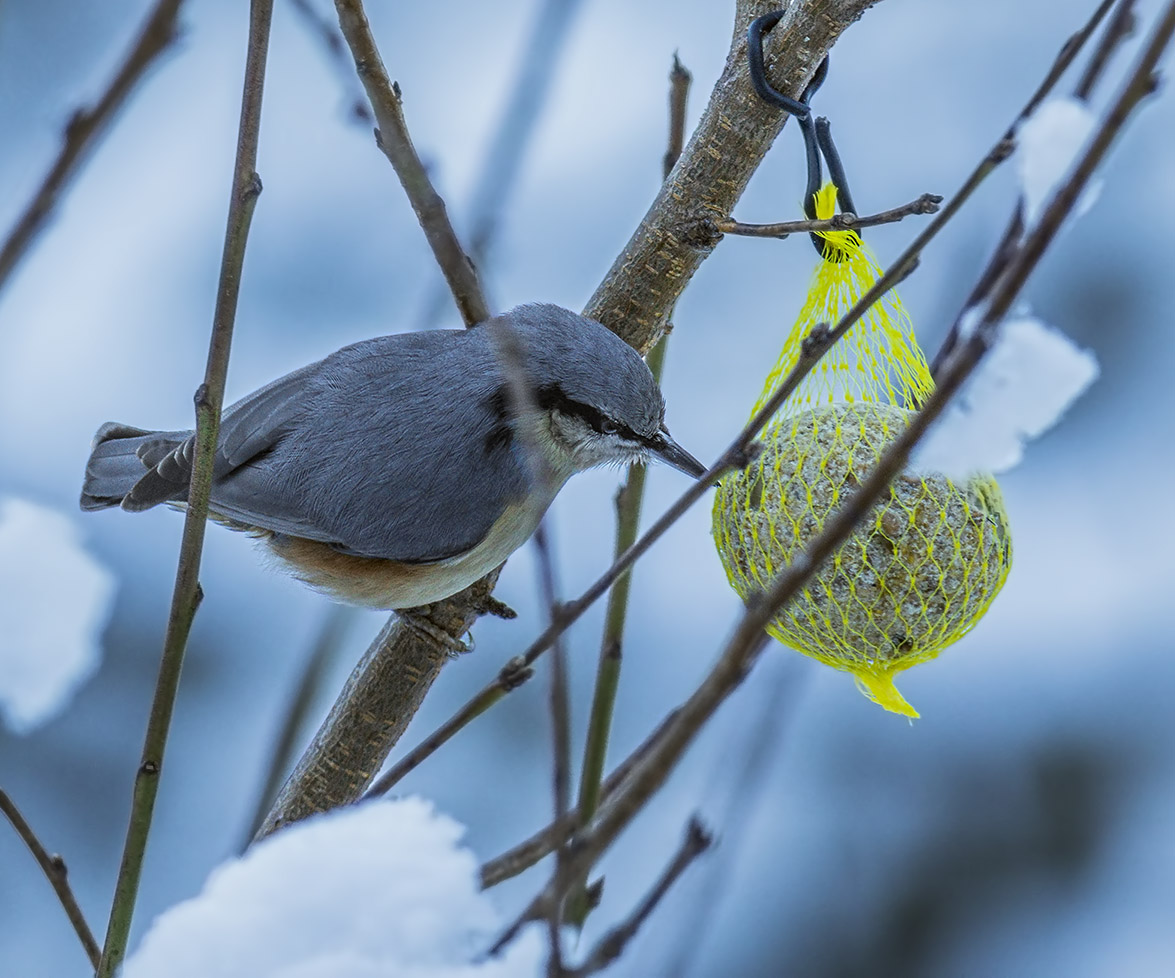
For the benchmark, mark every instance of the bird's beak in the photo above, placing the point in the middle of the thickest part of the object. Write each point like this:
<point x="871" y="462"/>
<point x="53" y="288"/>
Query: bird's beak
<point x="666" y="449"/>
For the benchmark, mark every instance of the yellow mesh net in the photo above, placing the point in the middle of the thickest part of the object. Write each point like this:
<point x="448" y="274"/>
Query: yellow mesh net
<point x="923" y="567"/>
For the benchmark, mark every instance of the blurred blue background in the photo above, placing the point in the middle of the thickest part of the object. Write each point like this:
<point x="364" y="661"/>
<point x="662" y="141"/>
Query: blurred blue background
<point x="1022" y="826"/>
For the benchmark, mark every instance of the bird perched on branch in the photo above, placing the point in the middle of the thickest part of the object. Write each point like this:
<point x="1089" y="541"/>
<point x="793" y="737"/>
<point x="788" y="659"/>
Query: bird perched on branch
<point x="396" y="471"/>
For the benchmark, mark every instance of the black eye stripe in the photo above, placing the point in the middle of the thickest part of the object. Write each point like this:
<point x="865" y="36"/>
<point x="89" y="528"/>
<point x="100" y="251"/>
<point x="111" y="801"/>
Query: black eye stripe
<point x="553" y="397"/>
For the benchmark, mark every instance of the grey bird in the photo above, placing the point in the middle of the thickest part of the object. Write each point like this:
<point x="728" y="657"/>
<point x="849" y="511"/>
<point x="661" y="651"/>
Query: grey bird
<point x="396" y="471"/>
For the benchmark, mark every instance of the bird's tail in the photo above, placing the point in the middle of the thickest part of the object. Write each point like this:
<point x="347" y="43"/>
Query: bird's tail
<point x="124" y="467"/>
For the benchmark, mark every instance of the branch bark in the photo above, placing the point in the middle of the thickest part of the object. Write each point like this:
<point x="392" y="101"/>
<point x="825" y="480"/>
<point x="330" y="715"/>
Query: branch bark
<point x="373" y="710"/>
<point x="633" y="301"/>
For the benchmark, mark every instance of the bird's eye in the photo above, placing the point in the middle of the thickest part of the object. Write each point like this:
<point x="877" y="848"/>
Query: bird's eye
<point x="609" y="427"/>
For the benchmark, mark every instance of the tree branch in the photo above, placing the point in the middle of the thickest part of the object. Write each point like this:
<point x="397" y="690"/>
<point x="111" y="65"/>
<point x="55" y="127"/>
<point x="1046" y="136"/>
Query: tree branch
<point x="392" y="137"/>
<point x="53" y="866"/>
<point x="732" y="137"/>
<point x="926" y="204"/>
<point x="85" y="130"/>
<point x="246" y="187"/>
<point x="381" y="696"/>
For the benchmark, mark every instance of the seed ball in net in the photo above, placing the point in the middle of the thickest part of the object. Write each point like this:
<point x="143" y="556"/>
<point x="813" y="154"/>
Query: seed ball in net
<point x="915" y="575"/>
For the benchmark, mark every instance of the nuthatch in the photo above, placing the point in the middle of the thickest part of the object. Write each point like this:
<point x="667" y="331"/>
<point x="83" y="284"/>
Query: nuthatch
<point x="394" y="472"/>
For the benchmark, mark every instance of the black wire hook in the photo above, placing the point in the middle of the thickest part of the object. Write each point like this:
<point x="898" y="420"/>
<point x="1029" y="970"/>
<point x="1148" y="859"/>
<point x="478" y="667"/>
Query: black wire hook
<point x="817" y="134"/>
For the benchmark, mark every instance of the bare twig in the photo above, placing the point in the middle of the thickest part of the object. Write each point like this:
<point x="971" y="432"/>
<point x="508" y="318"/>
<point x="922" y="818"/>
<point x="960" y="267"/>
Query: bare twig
<point x="560" y="699"/>
<point x="1065" y="57"/>
<point x="85" y="129"/>
<point x="325" y="646"/>
<point x="326" y="32"/>
<point x="750" y="637"/>
<point x="609" y="948"/>
<point x="926" y="204"/>
<point x="392" y="137"/>
<point x="53" y="866"/>
<point x="209" y="398"/>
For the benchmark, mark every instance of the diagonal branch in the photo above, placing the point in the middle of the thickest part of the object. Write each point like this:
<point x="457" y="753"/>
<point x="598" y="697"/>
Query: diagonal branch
<point x="392" y="137"/>
<point x="246" y="187"/>
<point x="53" y="866"/>
<point x="85" y="130"/>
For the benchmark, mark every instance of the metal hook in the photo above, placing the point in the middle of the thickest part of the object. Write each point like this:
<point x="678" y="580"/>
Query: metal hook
<point x="817" y="134"/>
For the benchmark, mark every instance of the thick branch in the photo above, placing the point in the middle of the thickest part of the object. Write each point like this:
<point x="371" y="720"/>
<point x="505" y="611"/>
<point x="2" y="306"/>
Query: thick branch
<point x="735" y="132"/>
<point x="374" y="708"/>
<point x="85" y="129"/>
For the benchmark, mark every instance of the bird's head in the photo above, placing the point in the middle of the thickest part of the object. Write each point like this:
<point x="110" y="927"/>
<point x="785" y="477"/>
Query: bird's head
<point x="597" y="401"/>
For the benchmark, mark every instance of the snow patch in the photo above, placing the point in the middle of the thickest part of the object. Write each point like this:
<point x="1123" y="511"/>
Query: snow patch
<point x="1047" y="145"/>
<point x="55" y="600"/>
<point x="379" y="890"/>
<point x="1020" y="390"/>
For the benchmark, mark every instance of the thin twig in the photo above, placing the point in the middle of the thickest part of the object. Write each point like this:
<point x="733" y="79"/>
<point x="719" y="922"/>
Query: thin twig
<point x="1117" y="31"/>
<point x="85" y="130"/>
<point x="326" y="32"/>
<point x="53" y="866"/>
<point x="736" y="455"/>
<point x="609" y="948"/>
<point x="629" y="500"/>
<point x="326" y="645"/>
<point x="246" y="187"/>
<point x="926" y="204"/>
<point x="750" y="636"/>
<point x="560" y="699"/>
<point x="392" y="137"/>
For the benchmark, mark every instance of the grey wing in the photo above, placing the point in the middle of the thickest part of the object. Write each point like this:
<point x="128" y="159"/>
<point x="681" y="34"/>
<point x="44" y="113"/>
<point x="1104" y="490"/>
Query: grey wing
<point x="389" y="462"/>
<point x="248" y="428"/>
